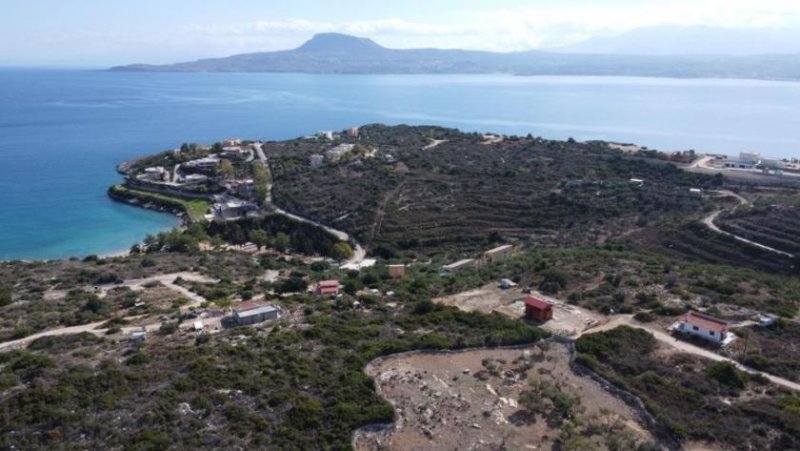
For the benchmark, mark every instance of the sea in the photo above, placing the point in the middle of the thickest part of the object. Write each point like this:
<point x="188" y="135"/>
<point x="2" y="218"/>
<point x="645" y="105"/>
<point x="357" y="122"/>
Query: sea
<point x="63" y="131"/>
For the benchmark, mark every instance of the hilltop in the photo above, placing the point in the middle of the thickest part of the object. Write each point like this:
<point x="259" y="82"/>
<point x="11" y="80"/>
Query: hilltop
<point x="333" y="53"/>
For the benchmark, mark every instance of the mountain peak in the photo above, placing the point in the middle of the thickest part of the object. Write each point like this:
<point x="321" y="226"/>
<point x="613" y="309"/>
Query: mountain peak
<point x="338" y="43"/>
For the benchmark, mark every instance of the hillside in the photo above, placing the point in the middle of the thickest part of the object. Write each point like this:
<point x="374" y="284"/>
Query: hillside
<point x="333" y="53"/>
<point x="469" y="190"/>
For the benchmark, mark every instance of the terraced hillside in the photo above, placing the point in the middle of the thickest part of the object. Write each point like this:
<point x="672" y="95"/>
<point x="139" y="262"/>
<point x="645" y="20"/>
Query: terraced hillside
<point x="468" y="190"/>
<point x="697" y="242"/>
<point x="775" y="226"/>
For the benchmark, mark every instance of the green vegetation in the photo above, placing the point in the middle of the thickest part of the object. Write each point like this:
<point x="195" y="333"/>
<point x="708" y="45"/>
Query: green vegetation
<point x="195" y="209"/>
<point x="777" y="226"/>
<point x="691" y="398"/>
<point x="454" y="197"/>
<point x="771" y="349"/>
<point x="281" y="389"/>
<point x="278" y="232"/>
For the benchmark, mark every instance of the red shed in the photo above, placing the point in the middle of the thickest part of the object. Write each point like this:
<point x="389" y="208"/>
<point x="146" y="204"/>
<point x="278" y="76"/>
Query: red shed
<point x="328" y="288"/>
<point x="537" y="309"/>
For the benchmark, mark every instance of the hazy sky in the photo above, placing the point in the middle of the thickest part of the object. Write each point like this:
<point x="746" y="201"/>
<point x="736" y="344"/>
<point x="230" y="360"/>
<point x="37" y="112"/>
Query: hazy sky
<point x="104" y="32"/>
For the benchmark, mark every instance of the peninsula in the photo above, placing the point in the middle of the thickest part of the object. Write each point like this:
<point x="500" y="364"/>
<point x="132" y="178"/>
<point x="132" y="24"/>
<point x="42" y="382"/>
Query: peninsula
<point x="397" y="286"/>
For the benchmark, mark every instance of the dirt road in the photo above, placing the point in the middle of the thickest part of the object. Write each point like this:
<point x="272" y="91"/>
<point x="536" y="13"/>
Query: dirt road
<point x="709" y="222"/>
<point x="688" y="348"/>
<point x="166" y="279"/>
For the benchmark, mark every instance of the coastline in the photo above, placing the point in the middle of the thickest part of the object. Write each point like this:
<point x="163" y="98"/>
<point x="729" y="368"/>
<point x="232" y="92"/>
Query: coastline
<point x="179" y="212"/>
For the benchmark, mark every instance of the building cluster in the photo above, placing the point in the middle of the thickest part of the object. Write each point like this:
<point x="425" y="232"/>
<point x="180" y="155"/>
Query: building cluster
<point x="752" y="160"/>
<point x="193" y="178"/>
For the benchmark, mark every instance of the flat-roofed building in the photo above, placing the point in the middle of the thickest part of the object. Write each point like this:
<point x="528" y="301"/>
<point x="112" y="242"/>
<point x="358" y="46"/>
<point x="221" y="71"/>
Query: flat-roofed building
<point x="497" y="253"/>
<point x="254" y="312"/>
<point x="459" y="265"/>
<point x="397" y="271"/>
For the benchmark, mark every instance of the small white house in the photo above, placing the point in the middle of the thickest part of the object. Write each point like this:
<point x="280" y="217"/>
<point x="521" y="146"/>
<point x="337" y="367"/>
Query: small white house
<point x="766" y="320"/>
<point x="337" y="153"/>
<point x="316" y="160"/>
<point x="706" y="327"/>
<point x="507" y="283"/>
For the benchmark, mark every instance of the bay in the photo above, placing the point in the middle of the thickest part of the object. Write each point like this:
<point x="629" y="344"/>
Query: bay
<point x="63" y="131"/>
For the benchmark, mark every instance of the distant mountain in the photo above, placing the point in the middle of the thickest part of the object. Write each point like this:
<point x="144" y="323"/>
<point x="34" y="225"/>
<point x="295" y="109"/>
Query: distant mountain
<point x="343" y="54"/>
<point x="695" y="40"/>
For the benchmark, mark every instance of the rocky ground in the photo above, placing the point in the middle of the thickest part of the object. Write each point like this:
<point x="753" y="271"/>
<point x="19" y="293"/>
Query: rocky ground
<point x="470" y="400"/>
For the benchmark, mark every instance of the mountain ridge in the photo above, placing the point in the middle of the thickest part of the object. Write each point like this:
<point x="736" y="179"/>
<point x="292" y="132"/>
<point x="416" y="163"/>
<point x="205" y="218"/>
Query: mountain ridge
<point x="334" y="53"/>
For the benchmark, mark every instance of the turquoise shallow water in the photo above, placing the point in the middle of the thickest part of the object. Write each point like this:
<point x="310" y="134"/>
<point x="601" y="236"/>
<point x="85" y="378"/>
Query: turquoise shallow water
<point x="62" y="132"/>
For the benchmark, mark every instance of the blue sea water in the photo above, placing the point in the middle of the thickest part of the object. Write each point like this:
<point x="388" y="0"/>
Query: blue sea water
<point x="62" y="132"/>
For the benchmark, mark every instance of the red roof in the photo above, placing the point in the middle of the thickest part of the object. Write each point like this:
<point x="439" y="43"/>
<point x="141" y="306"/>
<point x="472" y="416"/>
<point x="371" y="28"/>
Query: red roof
<point x="329" y="284"/>
<point x="705" y="321"/>
<point x="538" y="303"/>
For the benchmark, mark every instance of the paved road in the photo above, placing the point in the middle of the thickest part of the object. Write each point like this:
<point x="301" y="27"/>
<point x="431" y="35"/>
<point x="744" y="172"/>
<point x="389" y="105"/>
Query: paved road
<point x="358" y="251"/>
<point x="688" y="348"/>
<point x="709" y="222"/>
<point x="260" y="152"/>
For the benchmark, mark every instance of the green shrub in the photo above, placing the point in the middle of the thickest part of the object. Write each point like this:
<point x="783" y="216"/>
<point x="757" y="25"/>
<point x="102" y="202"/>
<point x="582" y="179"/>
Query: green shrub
<point x="727" y="374"/>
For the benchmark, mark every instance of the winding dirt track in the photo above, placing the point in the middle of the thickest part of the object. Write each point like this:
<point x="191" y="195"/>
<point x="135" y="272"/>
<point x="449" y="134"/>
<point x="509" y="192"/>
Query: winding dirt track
<point x="95" y="328"/>
<point x="684" y="346"/>
<point x="709" y="222"/>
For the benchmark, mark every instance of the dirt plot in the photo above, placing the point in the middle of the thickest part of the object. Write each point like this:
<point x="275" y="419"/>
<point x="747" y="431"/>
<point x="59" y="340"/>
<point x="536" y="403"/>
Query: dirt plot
<point x="568" y="320"/>
<point x="471" y="400"/>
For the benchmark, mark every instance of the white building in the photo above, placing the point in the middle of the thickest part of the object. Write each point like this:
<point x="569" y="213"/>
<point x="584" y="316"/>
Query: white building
<point x="326" y="134"/>
<point x="497" y="253"/>
<point x="461" y="264"/>
<point x="235" y="152"/>
<point x="206" y="164"/>
<point x="155" y="173"/>
<point x="749" y="157"/>
<point x="195" y="179"/>
<point x="336" y="153"/>
<point x="704" y="326"/>
<point x="229" y="207"/>
<point x="316" y="160"/>
<point x="254" y="312"/>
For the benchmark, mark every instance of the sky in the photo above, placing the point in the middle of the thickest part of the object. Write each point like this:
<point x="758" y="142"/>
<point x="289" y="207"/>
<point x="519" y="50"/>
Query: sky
<point x="88" y="33"/>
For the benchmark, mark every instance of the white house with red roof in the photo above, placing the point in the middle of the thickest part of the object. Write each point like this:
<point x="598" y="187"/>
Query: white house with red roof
<point x="704" y="326"/>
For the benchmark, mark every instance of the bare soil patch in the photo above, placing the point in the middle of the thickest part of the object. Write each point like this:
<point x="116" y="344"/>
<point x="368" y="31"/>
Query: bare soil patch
<point x="470" y="400"/>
